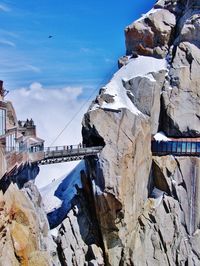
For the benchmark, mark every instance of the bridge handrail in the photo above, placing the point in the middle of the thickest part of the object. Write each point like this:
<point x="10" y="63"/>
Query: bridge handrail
<point x="70" y="148"/>
<point x="59" y="148"/>
<point x="176" y="147"/>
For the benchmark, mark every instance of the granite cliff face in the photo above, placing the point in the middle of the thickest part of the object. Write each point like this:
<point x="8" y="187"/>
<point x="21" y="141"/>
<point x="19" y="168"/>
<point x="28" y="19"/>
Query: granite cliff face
<point x="173" y="27"/>
<point x="148" y="206"/>
<point x="24" y="231"/>
<point x="131" y="208"/>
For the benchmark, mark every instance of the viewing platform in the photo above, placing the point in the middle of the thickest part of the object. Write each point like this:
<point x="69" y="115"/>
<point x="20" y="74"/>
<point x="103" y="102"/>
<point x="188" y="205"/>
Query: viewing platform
<point x="176" y="147"/>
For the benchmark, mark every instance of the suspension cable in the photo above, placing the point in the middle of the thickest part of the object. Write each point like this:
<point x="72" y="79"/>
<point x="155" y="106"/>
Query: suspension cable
<point x="87" y="100"/>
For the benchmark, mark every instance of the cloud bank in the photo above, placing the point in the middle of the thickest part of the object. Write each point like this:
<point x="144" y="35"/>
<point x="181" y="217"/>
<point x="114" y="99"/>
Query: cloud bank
<point x="51" y="110"/>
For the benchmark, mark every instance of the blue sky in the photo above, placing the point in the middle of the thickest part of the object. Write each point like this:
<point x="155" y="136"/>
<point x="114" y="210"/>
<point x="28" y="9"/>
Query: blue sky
<point x="50" y="78"/>
<point x="88" y="37"/>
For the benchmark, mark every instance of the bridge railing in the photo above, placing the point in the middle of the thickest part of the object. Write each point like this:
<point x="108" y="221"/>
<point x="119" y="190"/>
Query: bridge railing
<point x="176" y="147"/>
<point x="71" y="150"/>
<point x="44" y="149"/>
<point x="64" y="147"/>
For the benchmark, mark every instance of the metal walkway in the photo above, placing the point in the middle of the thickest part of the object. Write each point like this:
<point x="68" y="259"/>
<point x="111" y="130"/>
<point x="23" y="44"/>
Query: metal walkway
<point x="62" y="154"/>
<point x="176" y="147"/>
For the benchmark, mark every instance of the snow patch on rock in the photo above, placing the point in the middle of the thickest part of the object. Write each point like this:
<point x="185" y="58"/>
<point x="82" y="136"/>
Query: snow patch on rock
<point x="63" y="189"/>
<point x="141" y="66"/>
<point x="96" y="189"/>
<point x="160" y="136"/>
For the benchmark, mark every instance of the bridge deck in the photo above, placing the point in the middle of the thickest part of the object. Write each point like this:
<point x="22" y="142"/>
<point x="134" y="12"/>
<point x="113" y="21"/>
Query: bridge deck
<point x="61" y="154"/>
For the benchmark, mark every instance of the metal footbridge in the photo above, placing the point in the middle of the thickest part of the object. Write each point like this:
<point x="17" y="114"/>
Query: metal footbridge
<point x="176" y="147"/>
<point x="52" y="155"/>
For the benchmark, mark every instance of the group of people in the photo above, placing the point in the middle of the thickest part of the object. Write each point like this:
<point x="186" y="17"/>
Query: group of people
<point x="70" y="147"/>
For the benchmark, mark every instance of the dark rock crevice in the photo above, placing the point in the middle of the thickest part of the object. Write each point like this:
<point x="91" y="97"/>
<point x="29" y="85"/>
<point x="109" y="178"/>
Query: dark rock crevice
<point x="20" y="176"/>
<point x="90" y="134"/>
<point x="159" y="179"/>
<point x="83" y="215"/>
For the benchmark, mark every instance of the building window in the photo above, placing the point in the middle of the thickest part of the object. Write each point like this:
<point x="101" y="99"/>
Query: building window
<point x="193" y="147"/>
<point x="10" y="142"/>
<point x="2" y="122"/>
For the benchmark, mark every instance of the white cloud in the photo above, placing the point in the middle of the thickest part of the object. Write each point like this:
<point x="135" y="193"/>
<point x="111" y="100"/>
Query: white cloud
<point x="51" y="110"/>
<point x="7" y="43"/>
<point x="8" y="33"/>
<point x="33" y="68"/>
<point x="4" y="8"/>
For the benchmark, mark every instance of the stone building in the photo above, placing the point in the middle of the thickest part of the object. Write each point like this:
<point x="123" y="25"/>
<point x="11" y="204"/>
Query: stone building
<point x="17" y="138"/>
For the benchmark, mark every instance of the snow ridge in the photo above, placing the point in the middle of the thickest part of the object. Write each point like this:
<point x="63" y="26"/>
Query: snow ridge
<point x="142" y="66"/>
<point x="62" y="190"/>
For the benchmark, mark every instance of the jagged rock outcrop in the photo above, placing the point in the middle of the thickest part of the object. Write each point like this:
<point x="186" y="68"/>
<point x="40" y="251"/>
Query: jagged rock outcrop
<point x="181" y="178"/>
<point x="24" y="230"/>
<point x="137" y="227"/>
<point x="145" y="94"/>
<point x="168" y="229"/>
<point x="171" y="29"/>
<point x="182" y="97"/>
<point x="79" y="241"/>
<point x="152" y="34"/>
<point x="161" y="238"/>
<point x="118" y="178"/>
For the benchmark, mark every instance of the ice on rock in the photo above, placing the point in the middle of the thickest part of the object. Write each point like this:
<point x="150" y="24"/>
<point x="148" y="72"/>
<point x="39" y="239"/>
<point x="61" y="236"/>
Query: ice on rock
<point x="160" y="136"/>
<point x="141" y="66"/>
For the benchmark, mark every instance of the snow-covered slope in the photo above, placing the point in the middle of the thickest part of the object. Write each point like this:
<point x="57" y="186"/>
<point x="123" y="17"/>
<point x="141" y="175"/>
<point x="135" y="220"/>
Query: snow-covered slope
<point x="57" y="196"/>
<point x="141" y="66"/>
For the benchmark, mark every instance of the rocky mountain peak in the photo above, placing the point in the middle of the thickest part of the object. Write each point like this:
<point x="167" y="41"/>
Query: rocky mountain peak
<point x="137" y="201"/>
<point x="147" y="206"/>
